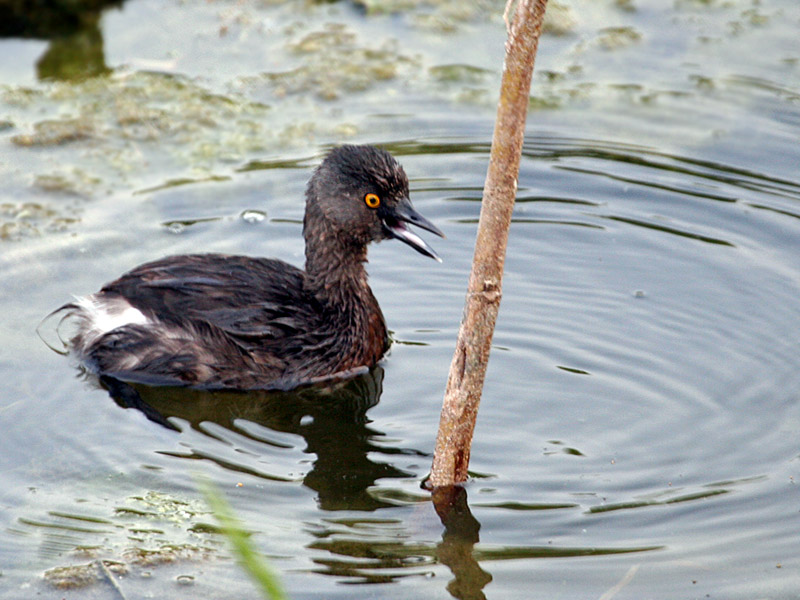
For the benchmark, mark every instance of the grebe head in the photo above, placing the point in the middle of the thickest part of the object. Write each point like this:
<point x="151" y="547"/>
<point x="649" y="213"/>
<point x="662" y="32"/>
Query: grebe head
<point x="360" y="194"/>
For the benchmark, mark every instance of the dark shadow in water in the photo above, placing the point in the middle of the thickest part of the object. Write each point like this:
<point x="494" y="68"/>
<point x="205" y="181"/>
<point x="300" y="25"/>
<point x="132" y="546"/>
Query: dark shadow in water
<point x="72" y="28"/>
<point x="331" y="418"/>
<point x="458" y="541"/>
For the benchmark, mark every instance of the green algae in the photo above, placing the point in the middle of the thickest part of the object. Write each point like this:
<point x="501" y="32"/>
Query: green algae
<point x="84" y="575"/>
<point x="140" y="535"/>
<point x="335" y="62"/>
<point x="19" y="220"/>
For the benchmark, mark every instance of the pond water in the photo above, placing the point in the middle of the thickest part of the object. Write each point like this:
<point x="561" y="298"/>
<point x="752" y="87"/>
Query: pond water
<point x="638" y="435"/>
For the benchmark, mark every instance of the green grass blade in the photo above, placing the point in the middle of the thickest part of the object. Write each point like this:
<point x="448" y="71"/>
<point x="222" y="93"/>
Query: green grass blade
<point x="248" y="556"/>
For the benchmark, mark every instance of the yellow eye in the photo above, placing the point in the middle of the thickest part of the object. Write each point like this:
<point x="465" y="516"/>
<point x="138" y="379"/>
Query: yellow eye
<point x="372" y="200"/>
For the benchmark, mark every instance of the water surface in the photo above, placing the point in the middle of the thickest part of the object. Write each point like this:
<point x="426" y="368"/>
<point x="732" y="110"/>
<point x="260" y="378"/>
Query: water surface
<point x="638" y="431"/>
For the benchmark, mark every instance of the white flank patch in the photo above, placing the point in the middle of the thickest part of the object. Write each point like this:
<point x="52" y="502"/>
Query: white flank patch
<point x="103" y="315"/>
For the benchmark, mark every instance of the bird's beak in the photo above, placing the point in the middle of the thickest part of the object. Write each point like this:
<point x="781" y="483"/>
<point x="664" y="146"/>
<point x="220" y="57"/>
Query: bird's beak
<point x="395" y="224"/>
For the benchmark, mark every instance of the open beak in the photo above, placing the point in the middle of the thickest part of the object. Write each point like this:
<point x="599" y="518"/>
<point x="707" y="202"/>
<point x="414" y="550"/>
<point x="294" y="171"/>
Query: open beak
<point x="395" y="224"/>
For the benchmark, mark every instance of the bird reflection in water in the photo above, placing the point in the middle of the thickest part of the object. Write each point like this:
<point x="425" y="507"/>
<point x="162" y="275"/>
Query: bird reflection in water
<point x="331" y="418"/>
<point x="333" y="421"/>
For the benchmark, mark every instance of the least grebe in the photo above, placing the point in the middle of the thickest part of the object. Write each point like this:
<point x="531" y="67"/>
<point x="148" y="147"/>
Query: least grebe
<point x="221" y="321"/>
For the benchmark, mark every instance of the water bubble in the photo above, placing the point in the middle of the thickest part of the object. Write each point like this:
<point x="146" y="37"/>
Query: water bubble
<point x="253" y="216"/>
<point x="176" y="227"/>
<point x="185" y="579"/>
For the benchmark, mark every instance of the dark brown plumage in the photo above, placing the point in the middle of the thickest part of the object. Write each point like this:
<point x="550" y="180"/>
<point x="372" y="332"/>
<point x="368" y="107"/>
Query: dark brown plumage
<point x="219" y="321"/>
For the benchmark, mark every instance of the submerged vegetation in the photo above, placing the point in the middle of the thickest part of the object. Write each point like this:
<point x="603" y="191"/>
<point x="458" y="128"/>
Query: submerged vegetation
<point x="139" y="535"/>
